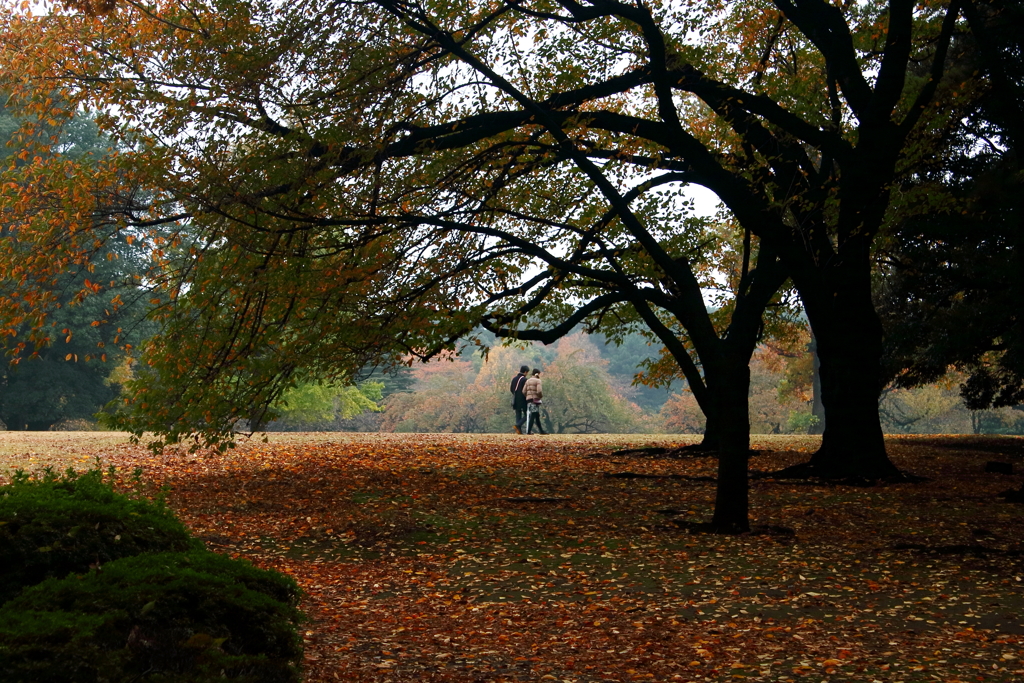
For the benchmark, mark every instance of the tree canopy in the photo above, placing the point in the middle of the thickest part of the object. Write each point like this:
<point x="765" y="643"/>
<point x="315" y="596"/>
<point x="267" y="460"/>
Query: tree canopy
<point x="358" y="181"/>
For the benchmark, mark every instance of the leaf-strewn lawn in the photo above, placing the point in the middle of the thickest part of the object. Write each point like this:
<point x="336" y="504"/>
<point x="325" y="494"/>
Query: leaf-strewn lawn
<point x="503" y="558"/>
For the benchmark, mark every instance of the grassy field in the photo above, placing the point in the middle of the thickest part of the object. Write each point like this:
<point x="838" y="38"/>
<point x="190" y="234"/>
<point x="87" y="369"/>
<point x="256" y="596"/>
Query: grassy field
<point x="504" y="558"/>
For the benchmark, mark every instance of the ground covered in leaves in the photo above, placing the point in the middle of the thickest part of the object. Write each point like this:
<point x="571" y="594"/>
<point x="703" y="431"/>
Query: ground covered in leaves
<point x="472" y="558"/>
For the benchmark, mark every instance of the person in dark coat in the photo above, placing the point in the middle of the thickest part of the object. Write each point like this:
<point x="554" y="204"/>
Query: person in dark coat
<point x="519" y="398"/>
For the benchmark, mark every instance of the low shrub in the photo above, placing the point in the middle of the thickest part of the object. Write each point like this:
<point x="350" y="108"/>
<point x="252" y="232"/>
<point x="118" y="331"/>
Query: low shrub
<point x="59" y="524"/>
<point x="193" y="617"/>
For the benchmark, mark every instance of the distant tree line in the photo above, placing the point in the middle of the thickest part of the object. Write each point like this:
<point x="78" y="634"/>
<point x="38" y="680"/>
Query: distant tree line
<point x="585" y="394"/>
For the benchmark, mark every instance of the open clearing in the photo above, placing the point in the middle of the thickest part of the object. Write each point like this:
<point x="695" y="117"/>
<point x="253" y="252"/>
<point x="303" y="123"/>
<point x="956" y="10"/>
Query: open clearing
<point x="507" y="558"/>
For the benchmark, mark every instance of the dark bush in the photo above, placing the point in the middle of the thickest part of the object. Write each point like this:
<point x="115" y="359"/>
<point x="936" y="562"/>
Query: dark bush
<point x="59" y="524"/>
<point x="192" y="617"/>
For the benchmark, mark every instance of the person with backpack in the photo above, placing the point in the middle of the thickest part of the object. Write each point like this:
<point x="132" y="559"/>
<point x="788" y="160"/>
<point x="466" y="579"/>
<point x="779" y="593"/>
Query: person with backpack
<point x="519" y="404"/>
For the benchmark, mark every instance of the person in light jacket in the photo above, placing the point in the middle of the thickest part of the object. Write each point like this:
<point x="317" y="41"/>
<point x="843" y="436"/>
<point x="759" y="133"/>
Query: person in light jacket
<point x="534" y="393"/>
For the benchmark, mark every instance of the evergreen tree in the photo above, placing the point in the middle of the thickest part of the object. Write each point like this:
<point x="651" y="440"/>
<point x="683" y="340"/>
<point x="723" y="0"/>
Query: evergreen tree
<point x="68" y="376"/>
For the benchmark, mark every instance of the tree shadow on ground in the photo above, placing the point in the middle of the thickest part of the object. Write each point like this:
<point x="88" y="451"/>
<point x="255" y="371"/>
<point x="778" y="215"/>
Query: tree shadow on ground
<point x="990" y="444"/>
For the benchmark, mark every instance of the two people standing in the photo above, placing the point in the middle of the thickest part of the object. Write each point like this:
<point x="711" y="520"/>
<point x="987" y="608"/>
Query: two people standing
<point x="526" y="400"/>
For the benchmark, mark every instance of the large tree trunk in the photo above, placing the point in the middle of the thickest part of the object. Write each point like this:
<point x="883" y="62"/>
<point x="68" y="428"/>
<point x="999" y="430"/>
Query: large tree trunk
<point x="848" y="333"/>
<point x="852" y="444"/>
<point x="835" y="287"/>
<point x="732" y="504"/>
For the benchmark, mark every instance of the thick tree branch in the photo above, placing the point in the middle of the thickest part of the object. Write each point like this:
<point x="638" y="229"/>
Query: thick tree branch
<point x="824" y="25"/>
<point x="892" y="74"/>
<point x="938" y="68"/>
<point x="493" y="323"/>
<point x="710" y="90"/>
<point x="554" y="127"/>
<point x="679" y="353"/>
